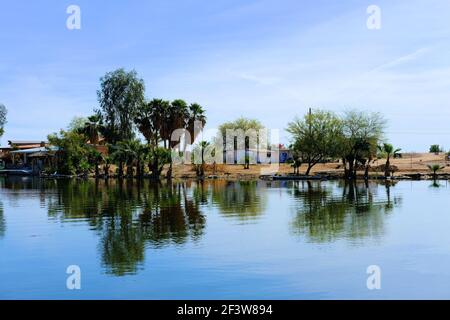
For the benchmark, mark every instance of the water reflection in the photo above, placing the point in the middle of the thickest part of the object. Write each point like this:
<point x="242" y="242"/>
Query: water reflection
<point x="130" y="217"/>
<point x="2" y="221"/>
<point x="331" y="211"/>
<point x="243" y="201"/>
<point x="126" y="216"/>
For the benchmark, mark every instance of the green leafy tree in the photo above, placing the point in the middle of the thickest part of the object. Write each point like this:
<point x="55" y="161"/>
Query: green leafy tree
<point x="246" y="125"/>
<point x="76" y="124"/>
<point x="435" y="149"/>
<point x="120" y="96"/>
<point x="361" y="133"/>
<point x="73" y="154"/>
<point x="315" y="137"/>
<point x="3" y="113"/>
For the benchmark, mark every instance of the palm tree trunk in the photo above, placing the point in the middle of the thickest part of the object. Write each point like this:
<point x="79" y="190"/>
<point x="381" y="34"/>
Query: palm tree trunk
<point x="387" y="168"/>
<point x="203" y="164"/>
<point x="138" y="169"/>
<point x="120" y="169"/>
<point x="130" y="170"/>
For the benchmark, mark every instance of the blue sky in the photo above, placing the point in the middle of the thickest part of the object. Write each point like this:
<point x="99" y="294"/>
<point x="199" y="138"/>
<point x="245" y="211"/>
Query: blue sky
<point x="266" y="59"/>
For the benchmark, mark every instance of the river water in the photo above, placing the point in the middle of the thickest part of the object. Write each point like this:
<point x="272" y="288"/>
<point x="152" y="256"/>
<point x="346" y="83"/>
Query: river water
<point x="223" y="240"/>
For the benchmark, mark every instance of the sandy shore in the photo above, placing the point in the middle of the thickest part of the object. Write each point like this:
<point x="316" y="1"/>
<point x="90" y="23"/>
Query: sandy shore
<point x="407" y="165"/>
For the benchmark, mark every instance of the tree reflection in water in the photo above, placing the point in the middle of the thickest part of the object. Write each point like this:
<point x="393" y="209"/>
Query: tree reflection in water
<point x="341" y="210"/>
<point x="243" y="201"/>
<point x="128" y="215"/>
<point x="2" y="221"/>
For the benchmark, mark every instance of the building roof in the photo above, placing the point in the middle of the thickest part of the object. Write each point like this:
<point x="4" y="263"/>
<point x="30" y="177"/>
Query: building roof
<point x="21" y="142"/>
<point x="35" y="150"/>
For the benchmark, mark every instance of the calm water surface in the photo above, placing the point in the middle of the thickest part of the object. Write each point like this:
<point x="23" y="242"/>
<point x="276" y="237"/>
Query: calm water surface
<point x="219" y="239"/>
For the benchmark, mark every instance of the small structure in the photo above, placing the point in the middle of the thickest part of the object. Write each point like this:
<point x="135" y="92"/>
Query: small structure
<point x="26" y="157"/>
<point x="285" y="154"/>
<point x="261" y="156"/>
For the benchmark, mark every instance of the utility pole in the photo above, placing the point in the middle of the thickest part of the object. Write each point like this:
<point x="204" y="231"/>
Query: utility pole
<point x="310" y="114"/>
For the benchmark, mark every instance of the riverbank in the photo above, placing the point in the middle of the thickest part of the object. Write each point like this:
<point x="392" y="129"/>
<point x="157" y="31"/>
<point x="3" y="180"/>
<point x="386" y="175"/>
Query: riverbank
<point x="410" y="166"/>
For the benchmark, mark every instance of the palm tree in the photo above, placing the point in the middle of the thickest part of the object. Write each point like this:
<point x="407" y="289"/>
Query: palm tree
<point x="196" y="113"/>
<point x="201" y="148"/>
<point x="119" y="154"/>
<point x="152" y="121"/>
<point x="435" y="168"/>
<point x="92" y="128"/>
<point x="389" y="151"/>
<point x="95" y="157"/>
<point x="177" y="118"/>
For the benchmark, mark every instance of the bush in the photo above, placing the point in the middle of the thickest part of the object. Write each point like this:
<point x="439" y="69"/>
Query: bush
<point x="434" y="148"/>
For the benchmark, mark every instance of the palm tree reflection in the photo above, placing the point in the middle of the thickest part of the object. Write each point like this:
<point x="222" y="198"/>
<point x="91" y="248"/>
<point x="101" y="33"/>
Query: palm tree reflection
<point x="127" y="217"/>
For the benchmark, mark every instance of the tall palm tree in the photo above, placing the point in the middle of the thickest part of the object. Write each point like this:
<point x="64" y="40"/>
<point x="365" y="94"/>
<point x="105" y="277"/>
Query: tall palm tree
<point x="389" y="151"/>
<point x="196" y="113"/>
<point x="176" y="119"/>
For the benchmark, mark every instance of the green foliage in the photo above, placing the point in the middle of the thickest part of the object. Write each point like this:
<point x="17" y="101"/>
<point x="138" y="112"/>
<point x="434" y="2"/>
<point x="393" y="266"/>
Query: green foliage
<point x="158" y="119"/>
<point x="74" y="154"/>
<point x="91" y="128"/>
<point x="77" y="124"/>
<point x="388" y="151"/>
<point x="120" y="96"/>
<point x="315" y="137"/>
<point x="245" y="125"/>
<point x="435" y="168"/>
<point x="361" y="133"/>
<point x="3" y="113"/>
<point x="435" y="148"/>
<point x="240" y="124"/>
<point x="198" y="152"/>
